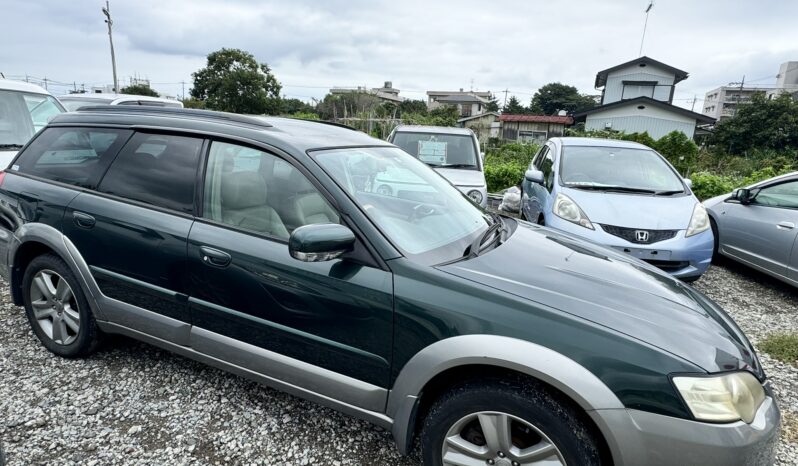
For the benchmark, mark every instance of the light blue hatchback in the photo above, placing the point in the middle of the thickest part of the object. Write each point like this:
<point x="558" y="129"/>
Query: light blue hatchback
<point x="621" y="194"/>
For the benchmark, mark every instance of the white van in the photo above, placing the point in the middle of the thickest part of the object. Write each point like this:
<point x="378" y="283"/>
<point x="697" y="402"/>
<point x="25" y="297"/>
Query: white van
<point x="24" y="109"/>
<point x="73" y="102"/>
<point x="452" y="152"/>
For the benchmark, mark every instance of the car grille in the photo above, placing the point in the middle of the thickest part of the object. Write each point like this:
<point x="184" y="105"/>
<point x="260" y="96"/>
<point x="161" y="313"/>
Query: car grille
<point x="668" y="266"/>
<point x="631" y="234"/>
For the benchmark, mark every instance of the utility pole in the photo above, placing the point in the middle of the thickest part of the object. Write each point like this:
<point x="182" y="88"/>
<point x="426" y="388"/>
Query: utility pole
<point x="739" y="96"/>
<point x="45" y="83"/>
<point x="505" y="99"/>
<point x="645" y="25"/>
<point x="692" y="107"/>
<point x="110" y="23"/>
<point x="183" y="90"/>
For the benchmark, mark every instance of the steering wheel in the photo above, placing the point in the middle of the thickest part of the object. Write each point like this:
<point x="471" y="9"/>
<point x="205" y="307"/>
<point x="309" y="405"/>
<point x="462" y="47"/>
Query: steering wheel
<point x="420" y="211"/>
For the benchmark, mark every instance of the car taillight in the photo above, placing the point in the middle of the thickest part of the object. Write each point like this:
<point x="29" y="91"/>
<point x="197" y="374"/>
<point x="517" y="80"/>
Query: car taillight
<point x="2" y="176"/>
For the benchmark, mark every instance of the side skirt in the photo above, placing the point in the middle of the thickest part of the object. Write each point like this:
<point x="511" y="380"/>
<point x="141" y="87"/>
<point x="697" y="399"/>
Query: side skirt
<point x="374" y="417"/>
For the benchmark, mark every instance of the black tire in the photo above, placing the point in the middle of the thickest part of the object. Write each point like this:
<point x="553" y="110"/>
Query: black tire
<point x="541" y="220"/>
<point x="88" y="335"/>
<point x="529" y="400"/>
<point x="716" y="240"/>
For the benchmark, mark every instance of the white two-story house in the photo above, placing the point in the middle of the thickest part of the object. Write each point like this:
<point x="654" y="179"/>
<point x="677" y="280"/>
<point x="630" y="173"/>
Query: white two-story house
<point x="637" y="96"/>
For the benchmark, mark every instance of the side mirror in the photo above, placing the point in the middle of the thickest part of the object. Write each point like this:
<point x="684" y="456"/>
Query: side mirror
<point x="743" y="195"/>
<point x="320" y="242"/>
<point x="534" y="176"/>
<point x="688" y="182"/>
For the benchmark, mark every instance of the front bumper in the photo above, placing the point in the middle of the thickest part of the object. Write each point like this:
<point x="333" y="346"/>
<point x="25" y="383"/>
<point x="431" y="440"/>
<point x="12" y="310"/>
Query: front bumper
<point x="639" y="437"/>
<point x="679" y="256"/>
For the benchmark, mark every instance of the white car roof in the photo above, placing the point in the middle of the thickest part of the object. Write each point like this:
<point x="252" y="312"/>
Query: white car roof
<point x="116" y="97"/>
<point x="433" y="129"/>
<point x="11" y="85"/>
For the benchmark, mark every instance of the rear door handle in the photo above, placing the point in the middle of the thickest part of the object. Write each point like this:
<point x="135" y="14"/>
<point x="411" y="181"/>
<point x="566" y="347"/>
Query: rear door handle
<point x="215" y="257"/>
<point x="84" y="220"/>
<point x="785" y="225"/>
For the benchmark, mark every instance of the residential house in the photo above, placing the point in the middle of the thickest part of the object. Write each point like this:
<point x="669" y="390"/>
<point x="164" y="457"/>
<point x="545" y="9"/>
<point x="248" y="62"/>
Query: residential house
<point x="484" y="125"/>
<point x="387" y="92"/>
<point x="468" y="103"/>
<point x="637" y="96"/>
<point x="721" y="103"/>
<point x="533" y="128"/>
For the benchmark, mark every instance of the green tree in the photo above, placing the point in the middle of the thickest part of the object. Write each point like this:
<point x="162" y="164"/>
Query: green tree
<point x="514" y="107"/>
<point x="760" y="124"/>
<point x="191" y="102"/>
<point x="139" y="89"/>
<point x="234" y="81"/>
<point x="680" y="150"/>
<point x="412" y="106"/>
<point x="294" y="106"/>
<point x="492" y="105"/>
<point x="553" y="97"/>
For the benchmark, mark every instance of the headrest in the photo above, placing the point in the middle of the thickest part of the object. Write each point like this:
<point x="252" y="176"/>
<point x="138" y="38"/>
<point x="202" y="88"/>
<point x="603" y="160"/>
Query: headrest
<point x="241" y="190"/>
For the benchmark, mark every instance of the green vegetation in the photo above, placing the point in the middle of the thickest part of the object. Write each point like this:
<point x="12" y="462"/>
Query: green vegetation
<point x="781" y="346"/>
<point x="139" y="89"/>
<point x="505" y="165"/>
<point x="553" y="97"/>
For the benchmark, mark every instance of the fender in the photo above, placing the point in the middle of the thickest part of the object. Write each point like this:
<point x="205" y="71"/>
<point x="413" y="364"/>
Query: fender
<point x="547" y="365"/>
<point x="61" y="245"/>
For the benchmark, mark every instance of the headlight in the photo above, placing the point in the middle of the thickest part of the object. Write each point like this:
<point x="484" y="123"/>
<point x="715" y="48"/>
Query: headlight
<point x="475" y="196"/>
<point x="566" y="209"/>
<point x="722" y="398"/>
<point x="699" y="221"/>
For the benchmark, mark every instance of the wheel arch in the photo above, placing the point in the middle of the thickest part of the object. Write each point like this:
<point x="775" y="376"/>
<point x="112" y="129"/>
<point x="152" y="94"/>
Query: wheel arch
<point x="441" y="364"/>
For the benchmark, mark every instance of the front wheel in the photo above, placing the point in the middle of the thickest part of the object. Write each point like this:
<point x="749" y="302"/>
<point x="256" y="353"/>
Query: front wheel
<point x="506" y="423"/>
<point x="57" y="308"/>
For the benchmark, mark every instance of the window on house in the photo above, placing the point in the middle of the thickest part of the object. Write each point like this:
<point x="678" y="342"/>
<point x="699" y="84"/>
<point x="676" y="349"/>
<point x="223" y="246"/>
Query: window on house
<point x="638" y="89"/>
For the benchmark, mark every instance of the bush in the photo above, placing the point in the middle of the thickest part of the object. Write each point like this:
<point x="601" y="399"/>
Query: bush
<point x="503" y="175"/>
<point x="707" y="185"/>
<point x="680" y="150"/>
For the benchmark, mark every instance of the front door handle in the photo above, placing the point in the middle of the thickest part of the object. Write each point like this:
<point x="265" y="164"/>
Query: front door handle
<point x="84" y="220"/>
<point x="214" y="257"/>
<point x="785" y="225"/>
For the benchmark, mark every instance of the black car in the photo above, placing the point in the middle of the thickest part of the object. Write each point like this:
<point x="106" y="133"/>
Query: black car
<point x="263" y="246"/>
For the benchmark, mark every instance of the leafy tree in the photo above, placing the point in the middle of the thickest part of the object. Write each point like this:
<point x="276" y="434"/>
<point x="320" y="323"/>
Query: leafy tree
<point x="680" y="150"/>
<point x="191" y="102"/>
<point x="348" y="104"/>
<point x="295" y="106"/>
<point x="234" y="81"/>
<point x="412" y="106"/>
<point x="760" y="124"/>
<point x="493" y="104"/>
<point x="553" y="97"/>
<point x="140" y="89"/>
<point x="514" y="107"/>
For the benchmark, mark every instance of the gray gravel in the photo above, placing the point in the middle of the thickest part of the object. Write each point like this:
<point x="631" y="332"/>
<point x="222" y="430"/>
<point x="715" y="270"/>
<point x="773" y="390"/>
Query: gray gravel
<point x="134" y="404"/>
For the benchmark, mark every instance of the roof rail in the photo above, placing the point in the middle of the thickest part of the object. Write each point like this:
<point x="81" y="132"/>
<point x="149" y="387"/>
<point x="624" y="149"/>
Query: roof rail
<point x="325" y="122"/>
<point x="174" y="111"/>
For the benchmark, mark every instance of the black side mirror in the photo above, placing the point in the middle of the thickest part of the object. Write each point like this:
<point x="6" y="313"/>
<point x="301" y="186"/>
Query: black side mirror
<point x="534" y="176"/>
<point x="743" y="195"/>
<point x="320" y="242"/>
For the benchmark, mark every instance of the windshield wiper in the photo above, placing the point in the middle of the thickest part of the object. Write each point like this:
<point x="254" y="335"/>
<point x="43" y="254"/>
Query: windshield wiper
<point x="668" y="193"/>
<point x="622" y="189"/>
<point x="456" y="165"/>
<point x="10" y="146"/>
<point x="496" y="228"/>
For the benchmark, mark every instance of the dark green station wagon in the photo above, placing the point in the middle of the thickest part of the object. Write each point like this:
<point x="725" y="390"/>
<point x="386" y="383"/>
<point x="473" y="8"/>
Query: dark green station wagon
<point x="262" y="246"/>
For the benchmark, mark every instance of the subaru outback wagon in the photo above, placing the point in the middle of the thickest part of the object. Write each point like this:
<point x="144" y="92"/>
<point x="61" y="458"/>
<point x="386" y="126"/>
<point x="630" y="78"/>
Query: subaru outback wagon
<point x="255" y="245"/>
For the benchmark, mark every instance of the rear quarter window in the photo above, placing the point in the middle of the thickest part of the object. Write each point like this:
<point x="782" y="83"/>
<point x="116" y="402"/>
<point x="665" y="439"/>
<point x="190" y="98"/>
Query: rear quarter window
<point x="76" y="156"/>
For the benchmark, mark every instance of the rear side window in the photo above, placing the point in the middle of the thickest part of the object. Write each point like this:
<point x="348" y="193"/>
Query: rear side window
<point x="76" y="156"/>
<point x="156" y="169"/>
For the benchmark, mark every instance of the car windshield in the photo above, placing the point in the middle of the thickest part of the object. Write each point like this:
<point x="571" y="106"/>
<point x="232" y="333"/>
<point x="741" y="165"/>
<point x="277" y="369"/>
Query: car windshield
<point x="423" y="215"/>
<point x="618" y="168"/>
<point x="22" y="114"/>
<point x="74" y="103"/>
<point x="439" y="150"/>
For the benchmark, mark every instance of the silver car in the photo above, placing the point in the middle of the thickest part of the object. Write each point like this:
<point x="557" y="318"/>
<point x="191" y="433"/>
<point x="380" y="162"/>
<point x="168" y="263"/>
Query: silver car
<point x="757" y="226"/>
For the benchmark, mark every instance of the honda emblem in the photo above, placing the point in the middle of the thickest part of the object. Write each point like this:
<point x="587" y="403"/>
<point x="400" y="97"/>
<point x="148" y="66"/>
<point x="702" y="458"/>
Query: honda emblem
<point x="641" y="236"/>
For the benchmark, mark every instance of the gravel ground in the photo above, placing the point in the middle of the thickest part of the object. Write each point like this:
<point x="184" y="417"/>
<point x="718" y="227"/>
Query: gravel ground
<point x="134" y="404"/>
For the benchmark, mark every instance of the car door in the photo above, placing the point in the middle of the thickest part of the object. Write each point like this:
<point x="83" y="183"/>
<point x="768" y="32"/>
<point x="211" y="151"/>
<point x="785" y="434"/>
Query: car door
<point x="539" y="194"/>
<point x="322" y="318"/>
<point x="132" y="232"/>
<point x="763" y="232"/>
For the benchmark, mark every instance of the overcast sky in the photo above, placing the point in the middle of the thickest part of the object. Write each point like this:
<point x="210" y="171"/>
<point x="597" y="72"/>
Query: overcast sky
<point x="419" y="45"/>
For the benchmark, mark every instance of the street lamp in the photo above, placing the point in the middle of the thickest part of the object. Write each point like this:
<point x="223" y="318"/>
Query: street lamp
<point x="110" y="23"/>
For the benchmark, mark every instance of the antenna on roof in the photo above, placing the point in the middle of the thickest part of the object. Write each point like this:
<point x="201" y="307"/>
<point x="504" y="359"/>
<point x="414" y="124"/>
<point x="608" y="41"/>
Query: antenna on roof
<point x="645" y="25"/>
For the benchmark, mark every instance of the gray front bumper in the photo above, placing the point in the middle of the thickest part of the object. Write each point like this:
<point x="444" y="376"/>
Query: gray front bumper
<point x="639" y="437"/>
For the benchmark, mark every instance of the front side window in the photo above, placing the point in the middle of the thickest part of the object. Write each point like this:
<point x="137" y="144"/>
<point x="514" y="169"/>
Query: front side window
<point x="77" y="156"/>
<point x="781" y="195"/>
<point x="156" y="169"/>
<point x="439" y="150"/>
<point x="260" y="192"/>
<point x="22" y="114"/>
<point x="608" y="168"/>
<point x="547" y="167"/>
<point x="423" y="215"/>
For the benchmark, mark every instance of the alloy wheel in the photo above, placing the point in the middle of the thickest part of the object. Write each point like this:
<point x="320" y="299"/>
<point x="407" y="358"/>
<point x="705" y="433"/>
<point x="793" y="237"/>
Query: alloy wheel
<point x="54" y="307"/>
<point x="498" y="439"/>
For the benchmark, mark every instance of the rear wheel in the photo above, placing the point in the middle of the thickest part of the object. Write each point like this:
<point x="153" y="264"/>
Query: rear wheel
<point x="506" y="423"/>
<point x="714" y="227"/>
<point x="57" y="308"/>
